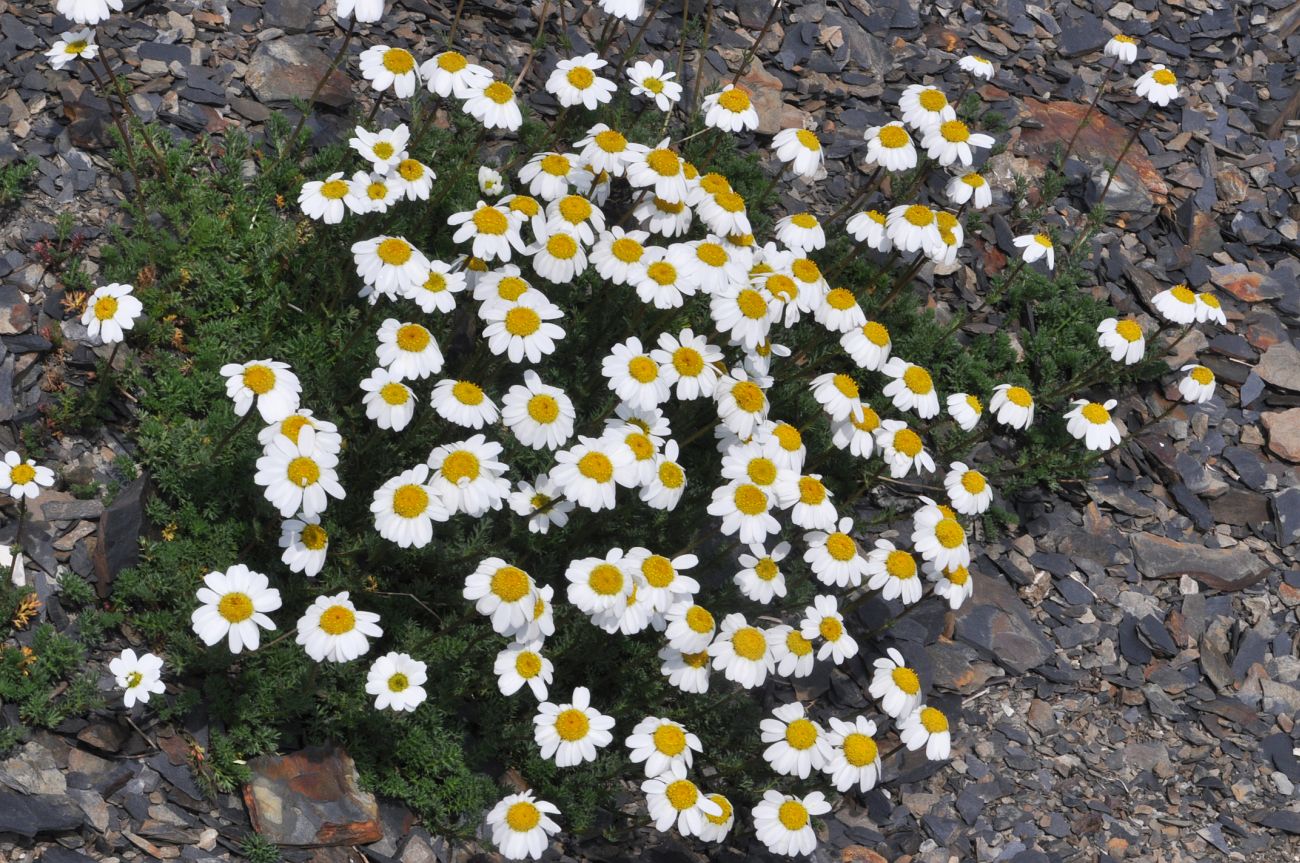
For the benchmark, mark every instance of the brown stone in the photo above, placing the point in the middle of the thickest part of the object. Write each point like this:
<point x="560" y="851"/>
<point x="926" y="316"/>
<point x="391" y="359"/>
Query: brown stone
<point x="311" y="798"/>
<point x="860" y="854"/>
<point x="1245" y="285"/>
<point x="1099" y="142"/>
<point x="285" y="69"/>
<point x="1284" y="433"/>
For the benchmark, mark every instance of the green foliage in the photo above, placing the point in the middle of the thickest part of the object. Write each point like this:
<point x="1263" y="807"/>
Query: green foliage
<point x="50" y="682"/>
<point x="256" y="848"/>
<point x="14" y="178"/>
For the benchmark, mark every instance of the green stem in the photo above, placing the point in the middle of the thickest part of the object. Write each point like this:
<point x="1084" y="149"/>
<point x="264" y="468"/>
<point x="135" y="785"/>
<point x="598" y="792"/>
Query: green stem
<point x="320" y="85"/>
<point x="762" y="34"/>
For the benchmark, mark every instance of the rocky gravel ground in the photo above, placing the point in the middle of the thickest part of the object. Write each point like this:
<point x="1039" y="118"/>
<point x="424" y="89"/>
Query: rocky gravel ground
<point x="1127" y="673"/>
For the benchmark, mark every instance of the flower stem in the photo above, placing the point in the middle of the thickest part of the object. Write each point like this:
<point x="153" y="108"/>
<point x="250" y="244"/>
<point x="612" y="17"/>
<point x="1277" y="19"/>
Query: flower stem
<point x="699" y="61"/>
<point x="1069" y="147"/>
<point x="636" y="38"/>
<point x="320" y="85"/>
<point x="1141" y="123"/>
<point x="455" y="24"/>
<point x="762" y="34"/>
<point x="126" y="107"/>
<point x="856" y="199"/>
<point x="127" y="140"/>
<point x="233" y="430"/>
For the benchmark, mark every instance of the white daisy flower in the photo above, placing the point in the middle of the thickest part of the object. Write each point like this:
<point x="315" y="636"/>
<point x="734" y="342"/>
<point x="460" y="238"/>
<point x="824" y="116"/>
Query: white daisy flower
<point x="662" y="579"/>
<point x="855" y="758"/>
<point x="328" y="438"/>
<point x="839" y="312"/>
<point x="1091" y="423"/>
<point x="397" y="682"/>
<point x="793" y="654"/>
<point x="437" y="292"/>
<point x="389" y="266"/>
<point x="386" y="67"/>
<point x="890" y="147"/>
<point x="660" y="282"/>
<point x="666" y="486"/>
<point x="305" y="544"/>
<point x="893" y="572"/>
<point x="783" y="822"/>
<point x="413" y="179"/>
<point x="489" y="181"/>
<point x="634" y="376"/>
<point x="539" y="415"/>
<point x="620" y="256"/>
<point x="651" y="80"/>
<point x="724" y="214"/>
<point x="689" y="672"/>
<point x="21" y="478"/>
<point x="954" y="585"/>
<point x="1123" y="48"/>
<point x="372" y="193"/>
<point x="660" y="170"/>
<point x="730" y="110"/>
<point x="663" y="217"/>
<point x="541" y="503"/>
<point x="501" y="592"/>
<point x="938" y="536"/>
<point x="671" y="799"/>
<point x="977" y="66"/>
<point x="405" y="508"/>
<point x="268" y="383"/>
<point x="1123" y="339"/>
<point x="549" y="175"/>
<point x="1198" y="385"/>
<point x="870" y="227"/>
<point x="138" y="676"/>
<point x="607" y="150"/>
<point x="743" y="653"/>
<point x="521" y="826"/>
<point x="834" y="556"/>
<point x="590" y="472"/>
<point x="522" y="328"/>
<point x="742" y="404"/>
<point x="363" y="11"/>
<point x="746" y="510"/>
<point x="857" y="435"/>
<point x="298" y="476"/>
<point x="382" y="149"/>
<point x="389" y="402"/>
<point x="912" y="228"/>
<point x="69" y="46"/>
<point x="493" y="231"/>
<point x="463" y="403"/>
<point x="324" y="199"/>
<point x="801" y="232"/>
<point x="522" y="664"/>
<point x="1012" y="406"/>
<point x="575" y="82"/>
<point x="903" y="449"/>
<point x="688" y="363"/>
<point x="797" y="745"/>
<point x="812" y="507"/>
<point x="924" y="107"/>
<point x="969" y="188"/>
<point x="88" y="11"/>
<point x="662" y="744"/>
<point x="800" y="149"/>
<point x="571" y="733"/>
<point x="838" y="395"/>
<point x="234" y="605"/>
<point x="1158" y="85"/>
<point x="912" y="388"/>
<point x="468" y="477"/>
<point x="965" y="409"/>
<point x="1208" y="308"/>
<point x="542" y="623"/>
<point x="332" y="630"/>
<point x="715" y="828"/>
<point x="1036" y="246"/>
<point x="689" y="628"/>
<point x="1177" y="304"/>
<point x="868" y="345"/>
<point x="968" y="489"/>
<point x="450" y="72"/>
<point x="407" y="350"/>
<point x="926" y="727"/>
<point x="894" y="685"/>
<point x="823" y="620"/>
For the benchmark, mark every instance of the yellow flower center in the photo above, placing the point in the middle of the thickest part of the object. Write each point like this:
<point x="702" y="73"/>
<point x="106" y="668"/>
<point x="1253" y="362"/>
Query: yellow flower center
<point x="302" y="472"/>
<point x="413" y="338"/>
<point x="382" y="150"/>
<point x="641" y="446"/>
<point x="491" y="221"/>
<point x="954" y="132"/>
<point x="1127" y="40"/>
<point x="575" y="209"/>
<point x="730" y="202"/>
<point x="751" y="304"/>
<point x="973" y="481"/>
<point x="398" y="61"/>
<point x="712" y="254"/>
<point x="748" y="396"/>
<point x="523" y="816"/>
<point x="653" y="84"/>
<point x="906" y="680"/>
<point x="377" y="191"/>
<point x="807" y="221"/>
<point x="900" y="565"/>
<point x="840" y="299"/>
<point x="841" y="546"/>
<point x="134" y="679"/>
<point x="398" y="682"/>
<point x="750" y="499"/>
<point x="1043" y="240"/>
<point x="259" y="378"/>
<point x="859" y="750"/>
<point x="105" y="308"/>
<point x="957" y="575"/>
<point x="606" y="579"/>
<point x="797" y="644"/>
<point x="811" y="491"/>
<point x="1095" y="413"/>
<point x="337" y="620"/>
<point x="669" y="740"/>
<point x="698" y="619"/>
<point x="934" y="721"/>
<point x="334" y="190"/>
<point x="1183" y="294"/>
<point x="664" y="162"/>
<point x="658" y="571"/>
<point x="1129" y="330"/>
<point x="292" y="425"/>
<point x="806" y="271"/>
<point x="793" y="815"/>
<point x="670" y="207"/>
<point x="313" y="537"/>
<point x="682" y="794"/>
<point x="543" y="409"/>
<point x="522" y="321"/>
<point x="611" y="141"/>
<point x="596" y="466"/>
<point x="749" y="643"/>
<point x="1164" y="77"/>
<point x="801" y="734"/>
<point x="76" y="47"/>
<point x="846" y="386"/>
<point x="461" y="464"/>
<point x="808" y="139"/>
<point x="870" y="420"/>
<point x="908" y="443"/>
<point x="528" y="664"/>
<point x="662" y="273"/>
<point x="973" y="180"/>
<point x="510" y="583"/>
<point x="627" y="251"/>
<point x="932" y="100"/>
<point x="467" y="393"/>
<point x="734" y="100"/>
<point x="1020" y="397"/>
<point x="235" y="607"/>
<point x="949" y="533"/>
<point x="688" y="362"/>
<point x="1202" y="375"/>
<point x="1209" y="299"/>
<point x="918" y="215"/>
<point x="410" y="500"/>
<point x="830" y="629"/>
<point x="526" y="205"/>
<point x="452" y="61"/>
<point x="394" y="394"/>
<point x="782" y="287"/>
<point x="671" y="475"/>
<point x="499" y="92"/>
<point x="571" y="725"/>
<point x="725" y="805"/>
<point x="555" y="165"/>
<point x="761" y="471"/>
<point x="580" y="77"/>
<point x="696" y="660"/>
<point x="561" y="247"/>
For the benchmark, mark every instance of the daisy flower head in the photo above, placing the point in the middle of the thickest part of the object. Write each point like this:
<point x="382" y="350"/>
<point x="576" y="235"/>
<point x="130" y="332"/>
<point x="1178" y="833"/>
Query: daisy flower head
<point x="1198" y="385"/>
<point x="620" y="256"/>
<point x="894" y="685"/>
<point x="783" y="822"/>
<point x="895" y="571"/>
<point x="234" y="607"/>
<point x="1123" y="48"/>
<point x="571" y="733"/>
<point x="1177" y="304"/>
<point x="71" y="45"/>
<point x="823" y="620"/>
<point x="665" y="488"/>
<point x="663" y="580"/>
<point x="746" y="510"/>
<point x="489" y="181"/>
<point x="742" y="404"/>
<point x="1012" y="406"/>
<point x="924" y="107"/>
<point x="110" y="310"/>
<point x="926" y="727"/>
<point x="730" y="110"/>
<point x="912" y="228"/>
<point x="715" y="828"/>
<point x="952" y="141"/>
<point x="643" y="446"/>
<point x="688" y="364"/>
<point x="965" y="409"/>
<point x="267" y="383"/>
<point x="834" y="556"/>
<point x="968" y="489"/>
<point x="689" y="672"/>
<point x="382" y="149"/>
<point x="463" y="403"/>
<point x="608" y="150"/>
<point x="539" y="415"/>
<point x="88" y="11"/>
<point x="370" y="192"/>
<point x="405" y="508"/>
<point x="651" y="80"/>
<point x="797" y="745"/>
<point x="492" y="230"/>
<point x="451" y="73"/>
<point x="333" y="630"/>
<point x="661" y="282"/>
<point x="389" y="402"/>
<point x="363" y="11"/>
<point x="305" y="544"/>
<point x="407" y="350"/>
<point x="324" y="200"/>
<point x="811" y="503"/>
<point x="1208" y="308"/>
<point x="760" y="578"/>
<point x="743" y="653"/>
<point x="634" y="376"/>
<point x="744" y="313"/>
<point x="437" y="293"/>
<point x="977" y="66"/>
<point x="970" y="188"/>
<point x="869" y="346"/>
<point x="870" y="227"/>
<point x="138" y="676"/>
<point x="1158" y="85"/>
<point x="468" y="477"/>
<point x="839" y="311"/>
<point x="838" y="395"/>
<point x="503" y="286"/>
<point x="903" y="449"/>
<point x="801" y="232"/>
<point x="689" y="627"/>
<point x="541" y="625"/>
<point x="793" y="655"/>
<point x="1123" y="339"/>
<point x="724" y="214"/>
<point x="590" y="472"/>
<point x="521" y="826"/>
<point x="891" y="147"/>
<point x="1035" y="246"/>
<point x="522" y="328"/>
<point x="1091" y="423"/>
<point x="938" y="536"/>
<point x="328" y="438"/>
<point x="953" y="584"/>
<point x="857" y="434"/>
<point x="662" y="744"/>
<point x="855" y="758"/>
<point x="663" y="217"/>
<point x="522" y="664"/>
<point x="575" y="82"/>
<point x="541" y="503"/>
<point x="800" y="150"/>
<point x="298" y="476"/>
<point x="912" y="388"/>
<point x="389" y="266"/>
<point x="549" y="175"/>
<point x="386" y="67"/>
<point x="493" y="104"/>
<point x="397" y="682"/>
<point x="660" y="170"/>
<point x="671" y="799"/>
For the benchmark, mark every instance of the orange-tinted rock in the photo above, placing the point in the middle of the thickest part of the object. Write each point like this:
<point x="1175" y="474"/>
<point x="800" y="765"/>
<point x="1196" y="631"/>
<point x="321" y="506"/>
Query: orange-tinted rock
<point x="311" y="798"/>
<point x="1284" y="433"/>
